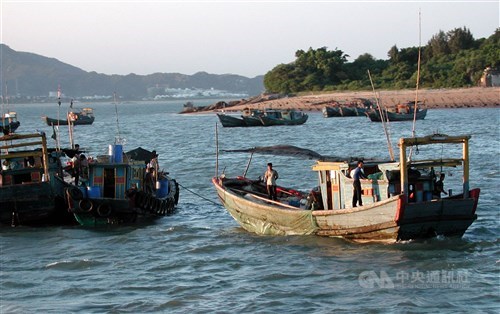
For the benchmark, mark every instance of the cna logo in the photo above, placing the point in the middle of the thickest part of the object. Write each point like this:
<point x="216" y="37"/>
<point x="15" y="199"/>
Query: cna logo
<point x="370" y="279"/>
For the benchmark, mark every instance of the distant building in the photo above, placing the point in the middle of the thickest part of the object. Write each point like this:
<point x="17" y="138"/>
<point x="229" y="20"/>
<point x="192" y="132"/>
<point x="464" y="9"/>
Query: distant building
<point x="490" y="78"/>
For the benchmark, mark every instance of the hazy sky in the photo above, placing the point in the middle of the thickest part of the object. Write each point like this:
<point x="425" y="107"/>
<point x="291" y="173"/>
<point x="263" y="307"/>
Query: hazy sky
<point x="241" y="37"/>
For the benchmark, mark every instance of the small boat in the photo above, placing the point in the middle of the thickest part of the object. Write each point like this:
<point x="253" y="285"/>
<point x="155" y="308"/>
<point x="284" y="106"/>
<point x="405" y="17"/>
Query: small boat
<point x="402" y="112"/>
<point x="84" y="116"/>
<point x="9" y="123"/>
<point x="114" y="193"/>
<point x="398" y="202"/>
<point x="342" y="111"/>
<point x="283" y="117"/>
<point x="31" y="184"/>
<point x="250" y="117"/>
<point x="228" y="121"/>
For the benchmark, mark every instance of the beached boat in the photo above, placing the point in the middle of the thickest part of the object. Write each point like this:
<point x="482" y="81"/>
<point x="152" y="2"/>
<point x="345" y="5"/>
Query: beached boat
<point x="9" y="123"/>
<point x="283" y="117"/>
<point x="31" y="184"/>
<point x="398" y="202"/>
<point x="250" y="117"/>
<point x="84" y="116"/>
<point x="114" y="192"/>
<point x="402" y="112"/>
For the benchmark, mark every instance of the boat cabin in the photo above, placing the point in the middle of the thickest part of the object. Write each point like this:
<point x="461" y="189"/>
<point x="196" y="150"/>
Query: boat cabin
<point x="414" y="179"/>
<point x="111" y="179"/>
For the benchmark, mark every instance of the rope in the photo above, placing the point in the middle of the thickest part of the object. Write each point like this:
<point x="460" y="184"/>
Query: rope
<point x="200" y="196"/>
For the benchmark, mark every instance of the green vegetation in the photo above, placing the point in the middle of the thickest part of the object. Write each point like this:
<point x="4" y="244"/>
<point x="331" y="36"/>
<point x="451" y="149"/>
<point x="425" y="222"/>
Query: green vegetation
<point x="452" y="59"/>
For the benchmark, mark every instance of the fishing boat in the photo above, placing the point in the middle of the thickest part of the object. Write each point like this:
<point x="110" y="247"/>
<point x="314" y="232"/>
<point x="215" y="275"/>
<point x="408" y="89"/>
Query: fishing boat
<point x="283" y="117"/>
<point x="402" y="112"/>
<point x="398" y="202"/>
<point x="84" y="116"/>
<point x="31" y="182"/>
<point x="342" y="111"/>
<point x="115" y="194"/>
<point x="228" y="121"/>
<point x="9" y="123"/>
<point x="250" y="117"/>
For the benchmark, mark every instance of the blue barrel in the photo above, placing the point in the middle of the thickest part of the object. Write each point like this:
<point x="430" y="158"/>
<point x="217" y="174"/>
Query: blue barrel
<point x="163" y="190"/>
<point x="116" y="153"/>
<point x="94" y="192"/>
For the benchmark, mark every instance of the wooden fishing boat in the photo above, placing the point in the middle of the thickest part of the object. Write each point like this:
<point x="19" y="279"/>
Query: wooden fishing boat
<point x="31" y="184"/>
<point x="397" y="200"/>
<point x="84" y="116"/>
<point x="9" y="123"/>
<point x="342" y="111"/>
<point x="115" y="192"/>
<point x="402" y="112"/>
<point x="228" y="121"/>
<point x="283" y="117"/>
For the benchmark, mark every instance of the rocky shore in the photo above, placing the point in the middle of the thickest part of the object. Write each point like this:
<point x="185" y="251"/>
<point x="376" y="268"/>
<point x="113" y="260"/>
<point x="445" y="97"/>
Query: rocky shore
<point x="474" y="97"/>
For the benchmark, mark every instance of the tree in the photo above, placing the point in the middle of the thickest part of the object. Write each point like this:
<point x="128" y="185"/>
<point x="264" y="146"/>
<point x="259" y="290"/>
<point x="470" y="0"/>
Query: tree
<point x="460" y="39"/>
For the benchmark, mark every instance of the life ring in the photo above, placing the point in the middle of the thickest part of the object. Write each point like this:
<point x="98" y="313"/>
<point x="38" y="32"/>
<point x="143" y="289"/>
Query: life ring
<point x="164" y="207"/>
<point x="104" y="210"/>
<point x="86" y="205"/>
<point x="158" y="206"/>
<point x="75" y="193"/>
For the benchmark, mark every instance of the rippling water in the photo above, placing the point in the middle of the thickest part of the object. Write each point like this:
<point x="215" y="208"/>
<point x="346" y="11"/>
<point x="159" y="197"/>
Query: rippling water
<point x="199" y="260"/>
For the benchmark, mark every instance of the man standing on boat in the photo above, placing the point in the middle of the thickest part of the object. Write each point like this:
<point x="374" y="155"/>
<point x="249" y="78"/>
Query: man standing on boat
<point x="357" y="174"/>
<point x="270" y="178"/>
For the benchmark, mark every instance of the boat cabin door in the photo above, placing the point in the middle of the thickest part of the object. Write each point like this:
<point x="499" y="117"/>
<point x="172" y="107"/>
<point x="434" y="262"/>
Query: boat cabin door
<point x="109" y="183"/>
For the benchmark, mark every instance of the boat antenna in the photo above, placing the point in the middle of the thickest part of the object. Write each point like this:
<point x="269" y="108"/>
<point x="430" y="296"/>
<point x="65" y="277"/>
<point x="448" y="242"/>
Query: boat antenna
<point x="118" y="138"/>
<point x="415" y="106"/>
<point x="58" y="115"/>
<point x="216" y="150"/>
<point x="382" y="118"/>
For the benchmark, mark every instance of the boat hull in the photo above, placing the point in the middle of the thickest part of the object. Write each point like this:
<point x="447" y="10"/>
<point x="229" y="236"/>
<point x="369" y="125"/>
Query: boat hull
<point x="230" y="121"/>
<point x="394" y="117"/>
<point x="137" y="206"/>
<point x="267" y="121"/>
<point x="84" y="120"/>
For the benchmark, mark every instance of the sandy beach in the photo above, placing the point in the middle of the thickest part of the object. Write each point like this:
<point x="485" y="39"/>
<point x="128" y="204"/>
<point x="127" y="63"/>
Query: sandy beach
<point x="473" y="97"/>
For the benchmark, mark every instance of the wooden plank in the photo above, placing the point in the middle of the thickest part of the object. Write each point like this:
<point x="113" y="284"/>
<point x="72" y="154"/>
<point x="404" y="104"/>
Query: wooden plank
<point x="21" y="145"/>
<point x="21" y="155"/>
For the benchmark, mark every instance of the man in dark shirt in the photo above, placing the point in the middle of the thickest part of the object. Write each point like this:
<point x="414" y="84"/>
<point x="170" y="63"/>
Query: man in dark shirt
<point x="356" y="193"/>
<point x="439" y="187"/>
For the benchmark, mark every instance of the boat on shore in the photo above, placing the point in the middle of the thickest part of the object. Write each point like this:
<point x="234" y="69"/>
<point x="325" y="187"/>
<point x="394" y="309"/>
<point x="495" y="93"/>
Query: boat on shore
<point x="9" y="123"/>
<point x="84" y="116"/>
<point x="402" y="112"/>
<point x="31" y="182"/>
<point x="115" y="193"/>
<point x="398" y="202"/>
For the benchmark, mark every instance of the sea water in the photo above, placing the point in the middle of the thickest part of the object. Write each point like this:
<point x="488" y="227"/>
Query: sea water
<point x="199" y="259"/>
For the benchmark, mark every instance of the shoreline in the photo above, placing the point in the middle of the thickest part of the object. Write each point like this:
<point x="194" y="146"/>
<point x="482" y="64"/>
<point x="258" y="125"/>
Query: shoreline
<point x="473" y="97"/>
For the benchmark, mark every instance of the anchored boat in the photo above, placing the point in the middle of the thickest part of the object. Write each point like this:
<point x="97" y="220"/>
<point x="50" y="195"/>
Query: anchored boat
<point x="31" y="184"/>
<point x="115" y="192"/>
<point x="84" y="116"/>
<point x="398" y="202"/>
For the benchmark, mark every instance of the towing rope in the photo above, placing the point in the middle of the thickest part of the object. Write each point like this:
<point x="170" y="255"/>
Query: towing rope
<point x="200" y="196"/>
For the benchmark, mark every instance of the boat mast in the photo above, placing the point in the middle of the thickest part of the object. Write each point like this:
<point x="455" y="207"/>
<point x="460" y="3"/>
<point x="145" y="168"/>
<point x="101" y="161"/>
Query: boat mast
<point x="216" y="150"/>
<point x="118" y="140"/>
<point x="418" y="81"/>
<point x="386" y="131"/>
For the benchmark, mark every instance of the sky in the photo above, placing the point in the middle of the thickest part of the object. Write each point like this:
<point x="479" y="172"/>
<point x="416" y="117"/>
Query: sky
<point x="247" y="38"/>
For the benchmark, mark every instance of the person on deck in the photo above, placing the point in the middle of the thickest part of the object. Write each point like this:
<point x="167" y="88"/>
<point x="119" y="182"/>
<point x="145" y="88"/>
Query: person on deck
<point x="270" y="178"/>
<point x="357" y="174"/>
<point x="149" y="181"/>
<point x="439" y="187"/>
<point x="76" y="164"/>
